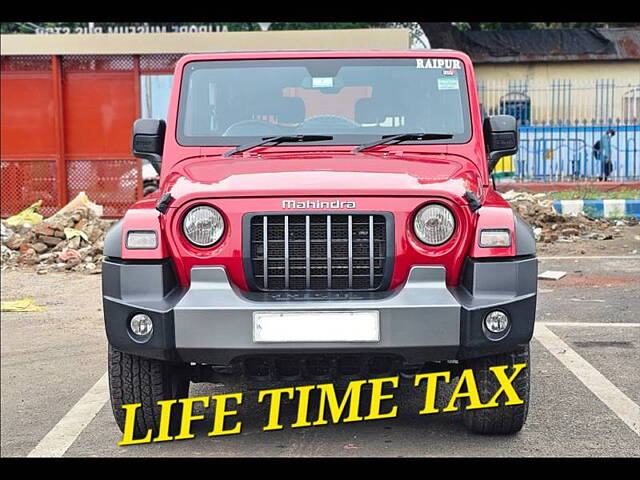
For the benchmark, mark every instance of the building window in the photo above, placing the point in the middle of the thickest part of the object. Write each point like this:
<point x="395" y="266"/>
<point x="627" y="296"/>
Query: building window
<point x="518" y="105"/>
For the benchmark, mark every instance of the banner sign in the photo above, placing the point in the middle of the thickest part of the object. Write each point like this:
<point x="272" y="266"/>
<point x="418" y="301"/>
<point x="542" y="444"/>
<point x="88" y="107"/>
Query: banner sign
<point x="145" y="28"/>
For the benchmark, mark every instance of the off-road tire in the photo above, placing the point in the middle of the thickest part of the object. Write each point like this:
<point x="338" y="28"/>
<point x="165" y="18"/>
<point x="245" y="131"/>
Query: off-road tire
<point x="503" y="419"/>
<point x="134" y="379"/>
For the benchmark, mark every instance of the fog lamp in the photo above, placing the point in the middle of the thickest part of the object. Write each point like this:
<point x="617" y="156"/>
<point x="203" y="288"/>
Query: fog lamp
<point x="496" y="321"/>
<point x="141" y="325"/>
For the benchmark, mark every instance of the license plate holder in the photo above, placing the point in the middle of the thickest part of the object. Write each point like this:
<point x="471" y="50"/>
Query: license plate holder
<point x="315" y="326"/>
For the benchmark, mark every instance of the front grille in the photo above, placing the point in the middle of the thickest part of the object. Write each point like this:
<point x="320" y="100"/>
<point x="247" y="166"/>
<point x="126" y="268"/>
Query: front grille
<point x="318" y="251"/>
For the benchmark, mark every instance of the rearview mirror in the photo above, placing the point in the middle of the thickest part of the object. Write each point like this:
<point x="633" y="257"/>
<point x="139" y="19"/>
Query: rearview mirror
<point x="148" y="140"/>
<point x="500" y="137"/>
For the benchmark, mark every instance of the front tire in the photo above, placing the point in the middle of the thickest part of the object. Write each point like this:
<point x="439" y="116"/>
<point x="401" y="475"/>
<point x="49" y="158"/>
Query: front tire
<point x="134" y="379"/>
<point x="503" y="419"/>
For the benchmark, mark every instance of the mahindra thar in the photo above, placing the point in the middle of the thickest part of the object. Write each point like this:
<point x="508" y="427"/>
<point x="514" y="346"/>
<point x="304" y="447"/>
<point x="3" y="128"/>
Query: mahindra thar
<point x="320" y="217"/>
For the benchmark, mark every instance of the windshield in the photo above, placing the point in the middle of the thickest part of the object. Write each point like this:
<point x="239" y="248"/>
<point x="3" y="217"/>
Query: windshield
<point x="355" y="100"/>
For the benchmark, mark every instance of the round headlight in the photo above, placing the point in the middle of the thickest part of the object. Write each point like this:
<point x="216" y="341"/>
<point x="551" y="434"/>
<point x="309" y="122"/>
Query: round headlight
<point x="203" y="226"/>
<point x="434" y="224"/>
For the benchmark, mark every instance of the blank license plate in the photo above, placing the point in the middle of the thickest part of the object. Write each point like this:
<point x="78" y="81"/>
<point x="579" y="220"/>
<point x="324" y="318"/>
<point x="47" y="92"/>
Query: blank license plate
<point x="359" y="326"/>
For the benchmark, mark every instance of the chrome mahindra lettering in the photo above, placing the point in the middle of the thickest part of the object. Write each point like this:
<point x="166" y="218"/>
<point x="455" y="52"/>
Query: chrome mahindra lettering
<point x="307" y="204"/>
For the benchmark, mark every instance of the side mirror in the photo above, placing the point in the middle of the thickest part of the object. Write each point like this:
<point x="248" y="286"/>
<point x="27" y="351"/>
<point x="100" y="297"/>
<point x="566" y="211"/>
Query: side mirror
<point x="500" y="137"/>
<point x="148" y="140"/>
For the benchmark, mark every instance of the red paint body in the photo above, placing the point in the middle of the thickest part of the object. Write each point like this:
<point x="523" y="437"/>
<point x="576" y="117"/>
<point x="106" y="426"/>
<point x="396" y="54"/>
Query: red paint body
<point x="389" y="178"/>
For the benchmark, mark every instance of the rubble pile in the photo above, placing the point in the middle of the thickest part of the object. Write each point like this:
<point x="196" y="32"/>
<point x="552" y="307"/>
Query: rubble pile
<point x="70" y="240"/>
<point x="550" y="226"/>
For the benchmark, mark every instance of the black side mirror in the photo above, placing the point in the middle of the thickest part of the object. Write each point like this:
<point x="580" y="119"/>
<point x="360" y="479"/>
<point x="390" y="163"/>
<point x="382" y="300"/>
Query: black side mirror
<point x="148" y="140"/>
<point x="500" y="137"/>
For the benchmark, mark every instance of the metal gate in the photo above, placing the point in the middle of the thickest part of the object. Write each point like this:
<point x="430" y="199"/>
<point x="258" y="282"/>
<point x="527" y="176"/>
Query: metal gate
<point x="66" y="127"/>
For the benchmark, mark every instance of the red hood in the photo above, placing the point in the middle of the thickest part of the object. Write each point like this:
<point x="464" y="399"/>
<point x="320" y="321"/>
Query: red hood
<point x="324" y="174"/>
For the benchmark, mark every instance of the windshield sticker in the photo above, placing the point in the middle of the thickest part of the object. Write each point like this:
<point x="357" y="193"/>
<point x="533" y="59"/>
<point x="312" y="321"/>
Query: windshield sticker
<point x="444" y="63"/>
<point x="322" y="82"/>
<point x="449" y="72"/>
<point x="450" y="83"/>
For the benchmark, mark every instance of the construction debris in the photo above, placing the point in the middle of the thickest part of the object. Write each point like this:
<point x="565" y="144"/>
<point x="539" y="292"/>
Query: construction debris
<point x="551" y="275"/>
<point x="5" y="233"/>
<point x="23" y="305"/>
<point x="550" y="226"/>
<point x="29" y="216"/>
<point x="70" y="240"/>
<point x="73" y="238"/>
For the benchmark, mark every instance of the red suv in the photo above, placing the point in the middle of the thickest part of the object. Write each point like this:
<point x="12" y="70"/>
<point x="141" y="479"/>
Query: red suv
<point x="321" y="216"/>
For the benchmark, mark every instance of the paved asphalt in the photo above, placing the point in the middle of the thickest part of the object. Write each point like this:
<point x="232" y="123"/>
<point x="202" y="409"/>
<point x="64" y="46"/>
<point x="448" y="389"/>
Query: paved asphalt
<point x="51" y="359"/>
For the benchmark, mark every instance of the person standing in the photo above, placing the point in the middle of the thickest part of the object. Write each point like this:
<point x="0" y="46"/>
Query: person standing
<point x="605" y="154"/>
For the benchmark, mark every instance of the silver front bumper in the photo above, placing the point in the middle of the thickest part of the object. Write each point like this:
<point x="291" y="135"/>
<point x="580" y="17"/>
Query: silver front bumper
<point x="214" y="316"/>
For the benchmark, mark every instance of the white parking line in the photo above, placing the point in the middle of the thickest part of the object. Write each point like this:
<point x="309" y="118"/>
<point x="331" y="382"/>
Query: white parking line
<point x="601" y="387"/>
<point x="65" y="432"/>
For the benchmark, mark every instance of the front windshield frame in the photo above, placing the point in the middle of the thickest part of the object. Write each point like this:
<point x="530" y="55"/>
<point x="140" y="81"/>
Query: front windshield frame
<point x="349" y="139"/>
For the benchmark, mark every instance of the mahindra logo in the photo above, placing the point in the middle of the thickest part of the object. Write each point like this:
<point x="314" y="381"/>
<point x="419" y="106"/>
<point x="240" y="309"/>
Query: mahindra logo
<point x="333" y="204"/>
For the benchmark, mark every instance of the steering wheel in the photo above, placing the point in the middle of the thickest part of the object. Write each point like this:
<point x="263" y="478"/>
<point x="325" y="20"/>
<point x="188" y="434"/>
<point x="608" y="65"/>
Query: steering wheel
<point x="336" y="121"/>
<point x="250" y="127"/>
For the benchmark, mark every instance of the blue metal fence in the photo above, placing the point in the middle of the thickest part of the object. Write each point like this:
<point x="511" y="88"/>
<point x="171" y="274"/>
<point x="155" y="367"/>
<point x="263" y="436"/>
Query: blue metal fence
<point x="566" y="152"/>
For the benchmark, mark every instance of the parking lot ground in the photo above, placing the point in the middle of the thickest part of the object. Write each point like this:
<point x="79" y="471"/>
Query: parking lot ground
<point x="51" y="359"/>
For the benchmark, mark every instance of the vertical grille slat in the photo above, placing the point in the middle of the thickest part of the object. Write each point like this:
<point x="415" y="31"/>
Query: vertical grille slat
<point x="265" y="249"/>
<point x="335" y="251"/>
<point x="329" y="268"/>
<point x="371" y="269"/>
<point x="286" y="252"/>
<point x="350" y="243"/>
<point x="308" y="251"/>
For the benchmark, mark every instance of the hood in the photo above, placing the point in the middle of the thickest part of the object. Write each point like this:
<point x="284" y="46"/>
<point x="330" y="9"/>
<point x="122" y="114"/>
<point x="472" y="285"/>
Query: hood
<point x="329" y="174"/>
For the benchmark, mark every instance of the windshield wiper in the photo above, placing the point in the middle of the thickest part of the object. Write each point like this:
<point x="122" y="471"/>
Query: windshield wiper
<point x="276" y="140"/>
<point x="401" y="137"/>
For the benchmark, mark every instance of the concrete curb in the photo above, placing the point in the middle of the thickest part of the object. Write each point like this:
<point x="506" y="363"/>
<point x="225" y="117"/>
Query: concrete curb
<point x="603" y="208"/>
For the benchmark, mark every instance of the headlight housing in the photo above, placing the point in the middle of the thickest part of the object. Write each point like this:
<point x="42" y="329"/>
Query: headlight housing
<point x="434" y="224"/>
<point x="203" y="226"/>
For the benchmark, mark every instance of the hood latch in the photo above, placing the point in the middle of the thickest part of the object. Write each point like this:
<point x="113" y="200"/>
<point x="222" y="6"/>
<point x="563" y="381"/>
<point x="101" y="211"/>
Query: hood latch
<point x="474" y="203"/>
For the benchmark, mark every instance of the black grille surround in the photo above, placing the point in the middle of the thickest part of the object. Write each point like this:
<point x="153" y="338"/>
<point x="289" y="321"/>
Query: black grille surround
<point x="325" y="251"/>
